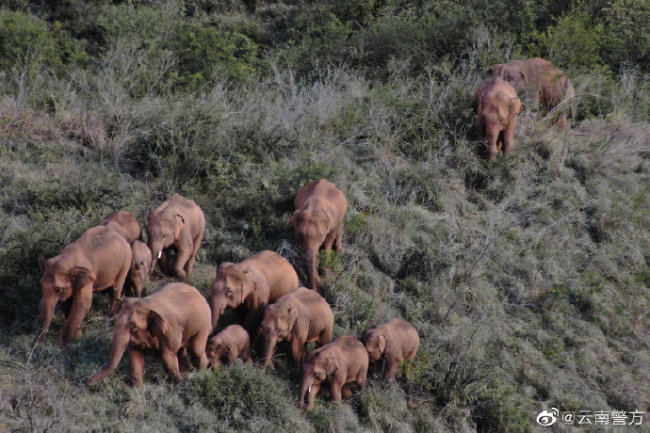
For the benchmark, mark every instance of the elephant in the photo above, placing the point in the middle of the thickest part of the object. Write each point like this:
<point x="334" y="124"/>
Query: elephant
<point x="98" y="259"/>
<point x="125" y="224"/>
<point x="167" y="322"/>
<point x="497" y="109"/>
<point x="139" y="270"/>
<point x="176" y="224"/>
<point x="318" y="221"/>
<point x="299" y="317"/>
<point x="393" y="342"/>
<point x="547" y="83"/>
<point x="250" y="285"/>
<point x="341" y="362"/>
<point x="231" y="343"/>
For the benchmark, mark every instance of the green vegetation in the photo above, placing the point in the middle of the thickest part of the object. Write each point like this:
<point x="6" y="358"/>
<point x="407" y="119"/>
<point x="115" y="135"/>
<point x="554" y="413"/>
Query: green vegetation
<point x="527" y="278"/>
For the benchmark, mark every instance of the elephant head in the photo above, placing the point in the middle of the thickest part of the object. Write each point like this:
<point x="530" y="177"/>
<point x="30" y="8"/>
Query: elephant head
<point x="215" y="350"/>
<point x="311" y="230"/>
<point x="163" y="229"/>
<point x="375" y="343"/>
<point x="135" y="324"/>
<point x="317" y="367"/>
<point x="230" y="288"/>
<point x="59" y="282"/>
<point x="278" y="323"/>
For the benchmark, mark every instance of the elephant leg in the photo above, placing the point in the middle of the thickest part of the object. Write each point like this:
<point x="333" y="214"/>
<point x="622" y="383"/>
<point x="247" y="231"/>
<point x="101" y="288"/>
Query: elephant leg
<point x="312" y="394"/>
<point x="66" y="307"/>
<point x="183" y="361"/>
<point x="335" y="390"/>
<point x="393" y="366"/>
<point x="246" y="354"/>
<point x="170" y="362"/>
<point x="338" y="243"/>
<point x="82" y="300"/>
<point x="197" y="346"/>
<point x="325" y="336"/>
<point x="509" y="137"/>
<point x="182" y="256"/>
<point x="346" y="391"/>
<point x="196" y="244"/>
<point x="298" y="351"/>
<point x="118" y="285"/>
<point x="232" y="357"/>
<point x="136" y="366"/>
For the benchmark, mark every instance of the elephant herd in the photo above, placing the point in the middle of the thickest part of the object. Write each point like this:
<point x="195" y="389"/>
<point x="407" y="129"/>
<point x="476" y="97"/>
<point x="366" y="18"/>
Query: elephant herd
<point x="263" y="290"/>
<point x="498" y="103"/>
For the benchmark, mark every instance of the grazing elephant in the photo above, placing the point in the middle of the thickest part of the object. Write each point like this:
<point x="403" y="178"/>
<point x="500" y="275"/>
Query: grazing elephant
<point x="393" y="342"/>
<point x="341" y="362"/>
<point x="168" y="321"/>
<point x="549" y="84"/>
<point x="176" y="224"/>
<point x="299" y="317"/>
<point x="125" y="224"/>
<point x="98" y="259"/>
<point x="318" y="220"/>
<point x="231" y="343"/>
<point x="139" y="271"/>
<point x="251" y="284"/>
<point x="497" y="109"/>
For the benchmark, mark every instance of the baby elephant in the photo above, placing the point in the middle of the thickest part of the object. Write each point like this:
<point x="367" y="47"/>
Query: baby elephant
<point x="393" y="342"/>
<point x="231" y="343"/>
<point x="300" y="317"/>
<point x="167" y="322"/>
<point x="341" y="362"/>
<point x="140" y="264"/>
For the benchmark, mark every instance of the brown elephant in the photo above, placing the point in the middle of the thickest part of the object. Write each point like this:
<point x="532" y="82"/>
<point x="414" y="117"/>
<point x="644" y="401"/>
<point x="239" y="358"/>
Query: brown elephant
<point x="251" y="284"/>
<point x="550" y="86"/>
<point x="166" y="323"/>
<point x="497" y="109"/>
<point x="125" y="224"/>
<point x="299" y="317"/>
<point x="231" y="343"/>
<point x="393" y="342"/>
<point x="98" y="259"/>
<point x="139" y="270"/>
<point x="177" y="224"/>
<point x="341" y="362"/>
<point x="318" y="221"/>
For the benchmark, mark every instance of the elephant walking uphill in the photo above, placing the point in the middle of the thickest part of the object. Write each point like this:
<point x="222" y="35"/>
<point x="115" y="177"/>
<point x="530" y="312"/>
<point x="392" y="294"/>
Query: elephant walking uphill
<point x="393" y="342"/>
<point x="176" y="224"/>
<point x="341" y="362"/>
<point x="548" y="84"/>
<point x="300" y="317"/>
<point x="250" y="285"/>
<point x="168" y="321"/>
<point x="125" y="224"/>
<point x="318" y="221"/>
<point x="497" y="109"/>
<point x="98" y="259"/>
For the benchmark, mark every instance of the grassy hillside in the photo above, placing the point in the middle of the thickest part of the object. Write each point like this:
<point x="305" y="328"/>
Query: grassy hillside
<point x="527" y="278"/>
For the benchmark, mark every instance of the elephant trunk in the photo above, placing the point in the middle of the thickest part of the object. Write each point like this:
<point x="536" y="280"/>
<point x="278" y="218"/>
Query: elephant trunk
<point x="305" y="390"/>
<point x="269" y="348"/>
<point x="48" y="303"/>
<point x="217" y="306"/>
<point x="313" y="268"/>
<point x="156" y="253"/>
<point x="121" y="340"/>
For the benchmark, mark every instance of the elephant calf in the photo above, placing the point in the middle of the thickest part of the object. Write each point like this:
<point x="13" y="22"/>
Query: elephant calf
<point x="231" y="343"/>
<point x="497" y="109"/>
<point x="139" y="271"/>
<point x="299" y="317"/>
<point x="167" y="322"/>
<point x="341" y="362"/>
<point x="393" y="342"/>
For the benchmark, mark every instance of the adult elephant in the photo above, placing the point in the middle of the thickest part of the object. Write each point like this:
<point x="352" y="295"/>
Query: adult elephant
<point x="318" y="221"/>
<point x="98" y="259"/>
<point x="497" y="109"/>
<point x="168" y="321"/>
<point x="125" y="224"/>
<point x="177" y="224"/>
<point x="548" y="84"/>
<point x="250" y="285"/>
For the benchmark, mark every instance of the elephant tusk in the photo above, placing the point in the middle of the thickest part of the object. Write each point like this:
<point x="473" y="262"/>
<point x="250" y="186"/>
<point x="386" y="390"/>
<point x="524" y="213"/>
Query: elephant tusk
<point x="159" y="254"/>
<point x="309" y="390"/>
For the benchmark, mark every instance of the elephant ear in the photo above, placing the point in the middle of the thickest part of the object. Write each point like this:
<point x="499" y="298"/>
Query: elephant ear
<point x="179" y="224"/>
<point x="292" y="318"/>
<point x="331" y="365"/>
<point x="81" y="277"/>
<point x="382" y="343"/>
<point x="294" y="218"/>
<point x="514" y="106"/>
<point x="156" y="324"/>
